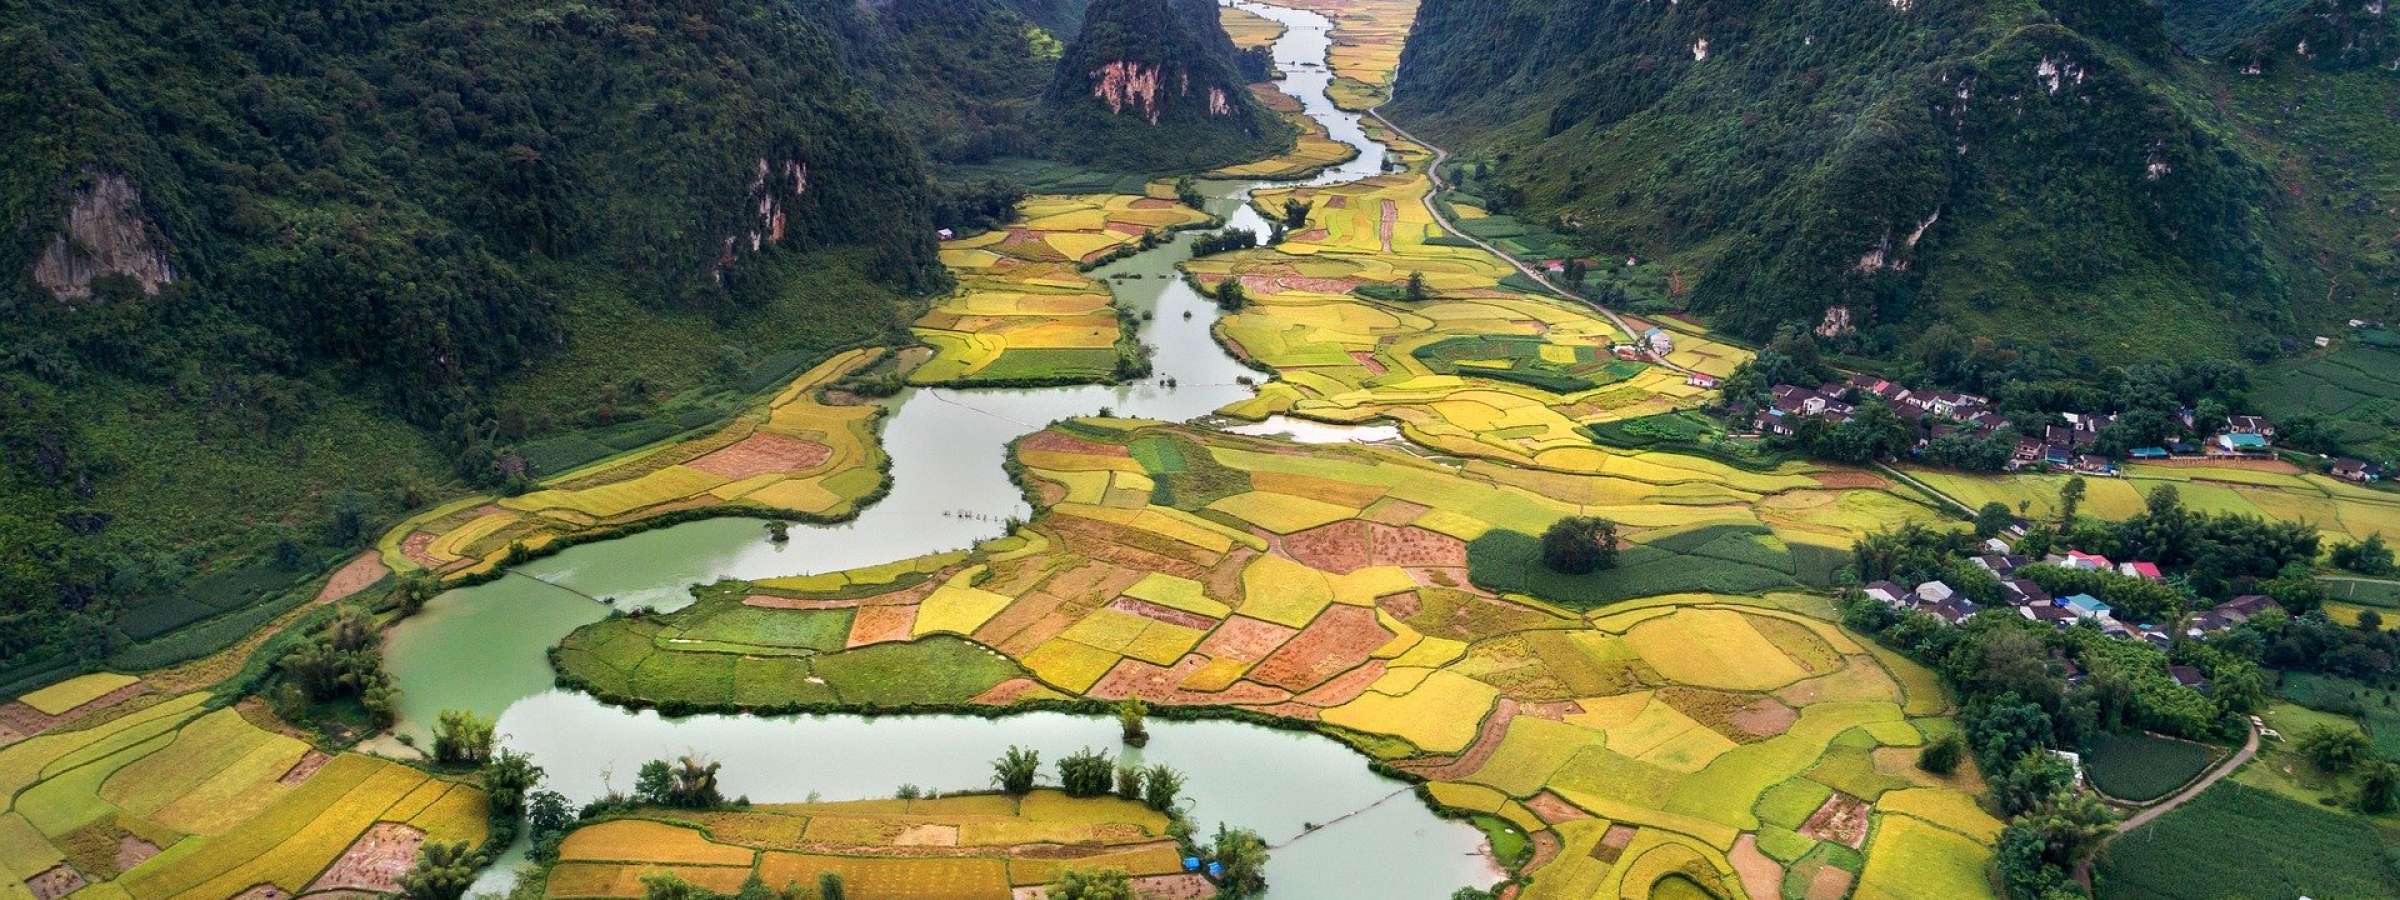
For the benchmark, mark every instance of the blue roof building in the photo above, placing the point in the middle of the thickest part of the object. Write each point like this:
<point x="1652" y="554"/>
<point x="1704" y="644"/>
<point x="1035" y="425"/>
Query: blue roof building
<point x="2085" y="606"/>
<point x="2147" y="453"/>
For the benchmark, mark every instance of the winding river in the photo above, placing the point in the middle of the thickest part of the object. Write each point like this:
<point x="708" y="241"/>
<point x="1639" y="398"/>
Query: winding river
<point x="1339" y="830"/>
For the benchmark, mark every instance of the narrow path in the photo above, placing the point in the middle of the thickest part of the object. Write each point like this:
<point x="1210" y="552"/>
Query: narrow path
<point x="1433" y="172"/>
<point x="1928" y="489"/>
<point x="2083" y="873"/>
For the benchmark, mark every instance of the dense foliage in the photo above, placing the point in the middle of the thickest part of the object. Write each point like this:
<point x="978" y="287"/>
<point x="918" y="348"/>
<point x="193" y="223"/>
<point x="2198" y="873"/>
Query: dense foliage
<point x="1181" y="99"/>
<point x="2053" y="172"/>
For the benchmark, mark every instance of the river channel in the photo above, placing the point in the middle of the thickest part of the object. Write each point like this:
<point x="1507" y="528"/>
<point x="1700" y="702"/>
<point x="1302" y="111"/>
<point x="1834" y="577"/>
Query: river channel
<point x="1340" y="830"/>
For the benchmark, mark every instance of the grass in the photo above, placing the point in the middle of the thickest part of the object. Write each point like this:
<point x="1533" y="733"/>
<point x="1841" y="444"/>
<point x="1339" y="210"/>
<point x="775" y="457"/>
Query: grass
<point x="2141" y="767"/>
<point x="2244" y="842"/>
<point x="1505" y="560"/>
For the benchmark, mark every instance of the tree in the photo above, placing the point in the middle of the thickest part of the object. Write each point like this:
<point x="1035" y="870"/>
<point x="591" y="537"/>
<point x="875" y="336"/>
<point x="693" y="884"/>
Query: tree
<point x="1230" y="296"/>
<point x="1993" y="519"/>
<point x="2368" y="557"/>
<point x="2070" y="496"/>
<point x="1295" y="213"/>
<point x="547" y="818"/>
<point x="1014" y="772"/>
<point x="1085" y="774"/>
<point x="1130" y="713"/>
<point x="1129" y="782"/>
<point x="1580" y="545"/>
<point x="1243" y="856"/>
<point x="2332" y="749"/>
<point x="2378" y="786"/>
<point x="414" y="590"/>
<point x="1941" y="757"/>
<point x="1416" y="287"/>
<point x="1161" y="786"/>
<point x="655" y="784"/>
<point x="1094" y="884"/>
<point x="443" y="872"/>
<point x="695" y="782"/>
<point x="2035" y="777"/>
<point x="506" y="778"/>
<point x="829" y="886"/>
<point x="461" y="738"/>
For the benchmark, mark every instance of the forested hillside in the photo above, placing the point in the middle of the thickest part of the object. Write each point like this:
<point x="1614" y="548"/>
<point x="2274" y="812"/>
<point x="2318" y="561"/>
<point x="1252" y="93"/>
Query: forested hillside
<point x="2091" y="180"/>
<point x="284" y="267"/>
<point x="1155" y="84"/>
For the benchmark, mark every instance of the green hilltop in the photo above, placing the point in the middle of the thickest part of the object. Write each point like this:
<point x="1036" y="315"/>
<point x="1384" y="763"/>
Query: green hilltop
<point x="2102" y="180"/>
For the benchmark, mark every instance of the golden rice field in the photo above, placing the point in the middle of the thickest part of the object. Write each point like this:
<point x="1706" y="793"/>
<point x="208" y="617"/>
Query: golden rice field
<point x="2341" y="511"/>
<point x="1477" y="369"/>
<point x="1248" y="29"/>
<point x="1689" y="727"/>
<point x="795" y="455"/>
<point x="969" y="847"/>
<point x="178" y="799"/>
<point x="1024" y="310"/>
<point x="1367" y="36"/>
<point x="1314" y="151"/>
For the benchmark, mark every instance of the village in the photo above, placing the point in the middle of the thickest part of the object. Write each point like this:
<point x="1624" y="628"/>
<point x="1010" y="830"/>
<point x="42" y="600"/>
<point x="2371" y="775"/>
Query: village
<point x="2069" y="447"/>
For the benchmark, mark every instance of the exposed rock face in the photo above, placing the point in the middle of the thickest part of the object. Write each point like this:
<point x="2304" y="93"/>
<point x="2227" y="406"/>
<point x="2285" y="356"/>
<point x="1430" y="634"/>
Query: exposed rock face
<point x="768" y="199"/>
<point x="1154" y="85"/>
<point x="106" y="233"/>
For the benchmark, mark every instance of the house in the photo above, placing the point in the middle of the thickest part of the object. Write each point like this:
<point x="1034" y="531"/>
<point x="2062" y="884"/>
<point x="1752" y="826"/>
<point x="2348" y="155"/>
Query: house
<point x="1955" y="610"/>
<point x="2257" y="425"/>
<point x="1935" y="592"/>
<point x="944" y="233"/>
<point x="2147" y="453"/>
<point x="2077" y="559"/>
<point x="2023" y="592"/>
<point x="2145" y="570"/>
<point x="2188" y="677"/>
<point x="2057" y="454"/>
<point x="2095" y="464"/>
<point x="1701" y="380"/>
<point x="1996" y="545"/>
<point x="2355" y="470"/>
<point x="1999" y="564"/>
<point x="1657" y="340"/>
<point x="2054" y="616"/>
<point x="2242" y="442"/>
<point x="2230" y="613"/>
<point x="1888" y="593"/>
<point x="2086" y="606"/>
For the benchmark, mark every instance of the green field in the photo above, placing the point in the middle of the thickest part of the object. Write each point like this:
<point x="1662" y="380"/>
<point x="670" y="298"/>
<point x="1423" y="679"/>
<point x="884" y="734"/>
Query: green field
<point x="2238" y="841"/>
<point x="2140" y="767"/>
<point x="2355" y="388"/>
<point x="1721" y="559"/>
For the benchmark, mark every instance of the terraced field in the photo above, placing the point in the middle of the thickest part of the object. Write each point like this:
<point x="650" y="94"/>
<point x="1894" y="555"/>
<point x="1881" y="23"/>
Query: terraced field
<point x="1313" y="152"/>
<point x="1025" y="311"/>
<point x="798" y="455"/>
<point x="1702" y="735"/>
<point x="166" y="796"/>
<point x="967" y="847"/>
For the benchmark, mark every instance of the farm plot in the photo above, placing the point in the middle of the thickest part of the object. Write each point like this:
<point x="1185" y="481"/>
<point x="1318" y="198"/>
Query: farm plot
<point x="2246" y="842"/>
<point x="968" y="847"/>
<point x="1314" y="151"/>
<point x="1025" y="311"/>
<point x="797" y="455"/>
<point x="174" y="799"/>
<point x="2341" y="511"/>
<point x="1469" y="366"/>
<point x="2141" y="768"/>
<point x="1332" y="584"/>
<point x="1367" y="35"/>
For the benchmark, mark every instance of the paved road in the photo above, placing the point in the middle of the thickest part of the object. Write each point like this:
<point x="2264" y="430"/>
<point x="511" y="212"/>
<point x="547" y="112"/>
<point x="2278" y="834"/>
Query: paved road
<point x="1435" y="172"/>
<point x="2249" y="749"/>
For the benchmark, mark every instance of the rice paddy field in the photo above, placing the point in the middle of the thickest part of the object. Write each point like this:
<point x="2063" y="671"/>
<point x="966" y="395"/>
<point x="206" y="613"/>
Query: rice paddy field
<point x="1367" y="36"/>
<point x="1313" y="151"/>
<point x="963" y="847"/>
<point x="1248" y="30"/>
<point x="147" y="795"/>
<point x="1686" y="735"/>
<point x="800" y="454"/>
<point x="2340" y="510"/>
<point x="1477" y="369"/>
<point x="1025" y="310"/>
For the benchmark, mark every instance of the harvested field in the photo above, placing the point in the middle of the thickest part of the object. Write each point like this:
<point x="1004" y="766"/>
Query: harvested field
<point x="761" y="454"/>
<point x="375" y="862"/>
<point x="1842" y="820"/>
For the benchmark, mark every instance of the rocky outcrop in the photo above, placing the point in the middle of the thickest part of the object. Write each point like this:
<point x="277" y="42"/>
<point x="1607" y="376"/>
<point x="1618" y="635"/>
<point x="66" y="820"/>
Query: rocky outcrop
<point x="105" y="233"/>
